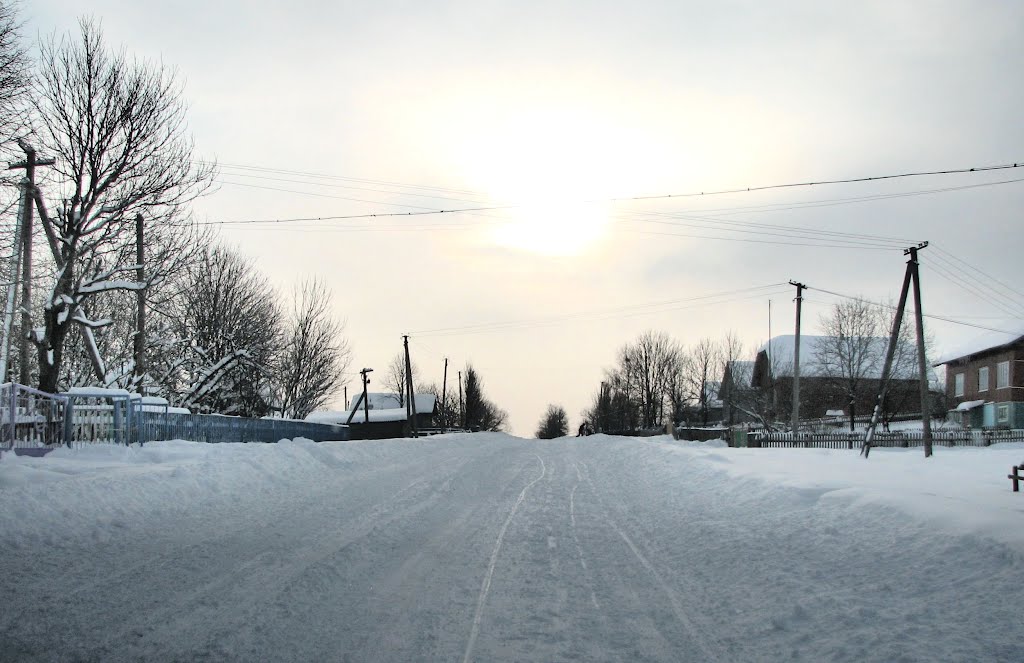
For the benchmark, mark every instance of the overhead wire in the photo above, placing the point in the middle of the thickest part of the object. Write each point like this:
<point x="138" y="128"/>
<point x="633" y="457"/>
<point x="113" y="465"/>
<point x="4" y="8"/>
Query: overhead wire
<point x="616" y="312"/>
<point x="988" y="277"/>
<point x="848" y="239"/>
<point x="343" y="186"/>
<point x="851" y="180"/>
<point x="362" y="180"/>
<point x="654" y="197"/>
<point x="946" y="268"/>
<point x="926" y="315"/>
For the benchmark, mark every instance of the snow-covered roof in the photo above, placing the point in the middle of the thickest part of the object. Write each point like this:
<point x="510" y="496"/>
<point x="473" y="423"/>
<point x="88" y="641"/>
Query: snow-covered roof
<point x="327" y="417"/>
<point x="985" y="341"/>
<point x="382" y="401"/>
<point x="425" y="404"/>
<point x="969" y="405"/>
<point x="783" y="347"/>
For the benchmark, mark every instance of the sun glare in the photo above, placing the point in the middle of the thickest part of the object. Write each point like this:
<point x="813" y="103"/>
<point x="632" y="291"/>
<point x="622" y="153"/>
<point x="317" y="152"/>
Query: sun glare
<point x="557" y="170"/>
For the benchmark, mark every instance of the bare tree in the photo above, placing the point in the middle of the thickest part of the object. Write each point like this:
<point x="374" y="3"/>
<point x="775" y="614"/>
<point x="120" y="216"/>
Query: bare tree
<point x="447" y="407"/>
<point x="315" y="356"/>
<point x="851" y="352"/>
<point x="230" y="327"/>
<point x="14" y="83"/>
<point x="645" y="373"/>
<point x="700" y="369"/>
<point x="14" y="75"/>
<point x="394" y="379"/>
<point x="117" y="129"/>
<point x="554" y="423"/>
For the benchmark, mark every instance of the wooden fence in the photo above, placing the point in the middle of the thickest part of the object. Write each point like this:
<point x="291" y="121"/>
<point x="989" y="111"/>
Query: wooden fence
<point x="904" y="439"/>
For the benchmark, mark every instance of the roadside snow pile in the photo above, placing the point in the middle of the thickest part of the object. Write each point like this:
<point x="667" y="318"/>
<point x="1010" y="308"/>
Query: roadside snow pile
<point x="963" y="490"/>
<point x="81" y="492"/>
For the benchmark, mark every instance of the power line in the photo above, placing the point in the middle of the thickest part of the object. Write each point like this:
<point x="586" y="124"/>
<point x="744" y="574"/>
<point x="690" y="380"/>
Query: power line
<point x="762" y="241"/>
<point x="302" y="173"/>
<point x="832" y="202"/>
<point x="622" y="311"/>
<point x="981" y="272"/>
<point x="932" y="316"/>
<point x="851" y="180"/>
<point x="847" y="242"/>
<point x="829" y="234"/>
<point x="633" y="198"/>
<point x="340" y="186"/>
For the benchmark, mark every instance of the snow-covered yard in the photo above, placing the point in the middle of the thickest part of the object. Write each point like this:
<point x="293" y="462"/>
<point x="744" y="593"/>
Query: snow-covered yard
<point x="488" y="547"/>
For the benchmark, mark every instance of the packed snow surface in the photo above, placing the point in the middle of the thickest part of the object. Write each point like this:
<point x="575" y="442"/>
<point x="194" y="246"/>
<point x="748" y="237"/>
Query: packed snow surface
<point x="486" y="547"/>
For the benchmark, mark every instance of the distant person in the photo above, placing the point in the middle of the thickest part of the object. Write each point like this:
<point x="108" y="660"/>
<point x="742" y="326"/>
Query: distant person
<point x="584" y="430"/>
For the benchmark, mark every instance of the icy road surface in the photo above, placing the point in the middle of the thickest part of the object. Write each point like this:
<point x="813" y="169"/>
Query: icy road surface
<point x="479" y="548"/>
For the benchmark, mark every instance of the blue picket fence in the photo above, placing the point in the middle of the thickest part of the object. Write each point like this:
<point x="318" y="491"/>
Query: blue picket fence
<point x="32" y="421"/>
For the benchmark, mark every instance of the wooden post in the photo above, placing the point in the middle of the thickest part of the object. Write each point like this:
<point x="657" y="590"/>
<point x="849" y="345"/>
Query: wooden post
<point x="897" y="322"/>
<point x="444" y="395"/>
<point x="796" y="358"/>
<point x="28" y="186"/>
<point x="922" y="367"/>
<point x="411" y="403"/>
<point x="140" y="328"/>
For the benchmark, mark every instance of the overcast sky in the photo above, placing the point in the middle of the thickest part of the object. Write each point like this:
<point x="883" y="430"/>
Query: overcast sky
<point x="550" y="111"/>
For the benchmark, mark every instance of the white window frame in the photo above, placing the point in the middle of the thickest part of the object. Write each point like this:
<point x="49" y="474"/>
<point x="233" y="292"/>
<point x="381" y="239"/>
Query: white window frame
<point x="1003" y="375"/>
<point x="958" y="384"/>
<point x="1003" y="413"/>
<point x="983" y="378"/>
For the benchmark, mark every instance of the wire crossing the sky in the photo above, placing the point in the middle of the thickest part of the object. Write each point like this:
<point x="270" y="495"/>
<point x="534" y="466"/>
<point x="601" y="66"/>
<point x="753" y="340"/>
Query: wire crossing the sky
<point x="790" y="185"/>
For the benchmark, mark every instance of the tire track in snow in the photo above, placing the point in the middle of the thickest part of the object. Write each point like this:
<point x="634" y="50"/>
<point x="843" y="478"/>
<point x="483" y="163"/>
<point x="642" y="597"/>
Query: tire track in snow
<point x="485" y="587"/>
<point x="263" y="569"/>
<point x="576" y="537"/>
<point x="677" y="607"/>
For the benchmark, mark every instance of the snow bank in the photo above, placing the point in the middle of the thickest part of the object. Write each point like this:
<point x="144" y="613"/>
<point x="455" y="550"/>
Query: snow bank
<point x="963" y="490"/>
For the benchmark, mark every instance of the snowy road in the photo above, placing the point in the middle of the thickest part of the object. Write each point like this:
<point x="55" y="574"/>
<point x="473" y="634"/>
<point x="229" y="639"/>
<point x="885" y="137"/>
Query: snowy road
<point x="485" y="548"/>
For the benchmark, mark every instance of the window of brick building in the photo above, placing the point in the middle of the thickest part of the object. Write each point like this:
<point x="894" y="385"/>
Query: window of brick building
<point x="958" y="384"/>
<point x="1002" y="375"/>
<point x="983" y="378"/>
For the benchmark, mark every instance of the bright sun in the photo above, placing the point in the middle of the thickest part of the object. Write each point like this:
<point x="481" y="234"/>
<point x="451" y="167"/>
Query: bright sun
<point x="557" y="170"/>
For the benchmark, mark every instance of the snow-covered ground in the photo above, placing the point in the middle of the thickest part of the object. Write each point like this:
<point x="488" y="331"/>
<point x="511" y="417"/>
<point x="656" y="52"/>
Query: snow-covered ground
<point x="487" y="547"/>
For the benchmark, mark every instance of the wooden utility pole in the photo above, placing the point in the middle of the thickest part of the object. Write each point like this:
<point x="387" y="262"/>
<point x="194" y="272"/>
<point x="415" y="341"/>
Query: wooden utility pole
<point x="444" y="395"/>
<point x="366" y="401"/>
<point x="12" y="292"/>
<point x="462" y="412"/>
<point x="28" y="190"/>
<point x="796" y="357"/>
<point x="410" y="404"/>
<point x="890" y="353"/>
<point x="911" y="276"/>
<point x="140" y="328"/>
<point x="922" y="368"/>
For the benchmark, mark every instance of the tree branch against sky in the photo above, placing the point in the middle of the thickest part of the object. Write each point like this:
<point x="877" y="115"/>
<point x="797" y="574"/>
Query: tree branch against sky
<point x="116" y="127"/>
